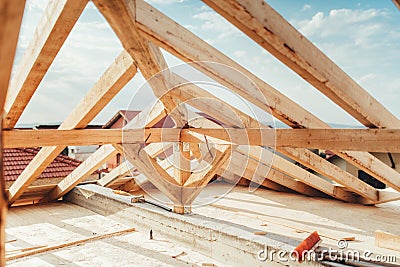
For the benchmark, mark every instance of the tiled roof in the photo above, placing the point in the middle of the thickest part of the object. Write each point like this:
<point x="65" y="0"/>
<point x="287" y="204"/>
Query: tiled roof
<point x="17" y="159"/>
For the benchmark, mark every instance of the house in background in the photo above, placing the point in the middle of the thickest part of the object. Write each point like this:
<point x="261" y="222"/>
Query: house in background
<point x="80" y="153"/>
<point x="15" y="160"/>
<point x="119" y="120"/>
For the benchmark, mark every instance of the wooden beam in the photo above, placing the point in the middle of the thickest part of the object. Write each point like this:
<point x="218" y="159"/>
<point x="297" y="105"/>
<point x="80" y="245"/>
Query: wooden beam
<point x="11" y="12"/>
<point x="124" y="169"/>
<point x="121" y="170"/>
<point x="84" y="170"/>
<point x="312" y="161"/>
<point x="397" y="3"/>
<point x="202" y="175"/>
<point x="271" y="31"/>
<point x="150" y="168"/>
<point x="251" y="169"/>
<point x="202" y="100"/>
<point x="111" y="82"/>
<point x="10" y="20"/>
<point x="387" y="240"/>
<point x="231" y="177"/>
<point x="190" y="48"/>
<point x="278" y="163"/>
<point x="42" y="138"/>
<point x="182" y="163"/>
<point x="56" y="23"/>
<point x="373" y="140"/>
<point x="120" y="14"/>
<point x="288" y="168"/>
<point x="373" y="166"/>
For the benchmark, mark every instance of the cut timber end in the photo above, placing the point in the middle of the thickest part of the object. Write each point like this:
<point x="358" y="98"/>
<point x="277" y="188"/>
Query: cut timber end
<point x="179" y="209"/>
<point x="387" y="240"/>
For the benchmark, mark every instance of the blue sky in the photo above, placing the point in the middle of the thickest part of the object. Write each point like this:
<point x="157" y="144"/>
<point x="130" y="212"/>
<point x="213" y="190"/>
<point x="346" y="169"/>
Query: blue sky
<point x="362" y="37"/>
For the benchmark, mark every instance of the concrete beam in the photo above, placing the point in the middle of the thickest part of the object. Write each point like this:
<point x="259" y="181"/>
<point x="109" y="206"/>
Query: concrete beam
<point x="230" y="244"/>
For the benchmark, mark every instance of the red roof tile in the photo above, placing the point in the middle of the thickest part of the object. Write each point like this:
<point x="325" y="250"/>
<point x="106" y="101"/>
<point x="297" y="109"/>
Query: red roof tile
<point x="17" y="159"/>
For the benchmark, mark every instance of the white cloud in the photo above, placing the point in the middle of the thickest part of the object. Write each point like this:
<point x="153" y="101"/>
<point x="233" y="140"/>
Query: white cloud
<point x="36" y="4"/>
<point x="240" y="53"/>
<point x="214" y="23"/>
<point x="306" y="7"/>
<point x="338" y="22"/>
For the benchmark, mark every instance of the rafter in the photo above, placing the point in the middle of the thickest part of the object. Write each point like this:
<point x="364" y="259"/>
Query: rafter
<point x="84" y="170"/>
<point x="120" y="14"/>
<point x="234" y="178"/>
<point x="11" y="12"/>
<point x="313" y="161"/>
<point x="111" y="82"/>
<point x="121" y="170"/>
<point x="250" y="168"/>
<point x="148" y="117"/>
<point x="193" y="49"/>
<point x="270" y="30"/>
<point x="266" y="157"/>
<point x="56" y="23"/>
<point x="324" y="167"/>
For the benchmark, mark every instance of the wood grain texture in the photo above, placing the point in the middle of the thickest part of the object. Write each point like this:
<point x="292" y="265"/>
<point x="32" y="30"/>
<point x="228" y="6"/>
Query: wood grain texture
<point x="56" y="23"/>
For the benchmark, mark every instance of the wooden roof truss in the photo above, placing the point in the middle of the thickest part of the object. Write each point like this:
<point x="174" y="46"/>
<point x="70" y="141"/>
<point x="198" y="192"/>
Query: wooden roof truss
<point x="143" y="30"/>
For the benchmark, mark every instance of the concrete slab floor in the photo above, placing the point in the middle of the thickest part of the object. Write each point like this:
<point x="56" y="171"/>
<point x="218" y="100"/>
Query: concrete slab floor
<point x="57" y="223"/>
<point x="296" y="216"/>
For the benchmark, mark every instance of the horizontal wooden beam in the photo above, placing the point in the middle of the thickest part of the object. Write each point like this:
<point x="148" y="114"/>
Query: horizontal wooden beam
<point x="43" y="138"/>
<point x="373" y="140"/>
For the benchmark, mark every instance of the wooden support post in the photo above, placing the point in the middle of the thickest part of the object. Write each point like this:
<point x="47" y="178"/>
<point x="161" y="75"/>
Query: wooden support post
<point x="11" y="12"/>
<point x="182" y="170"/>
